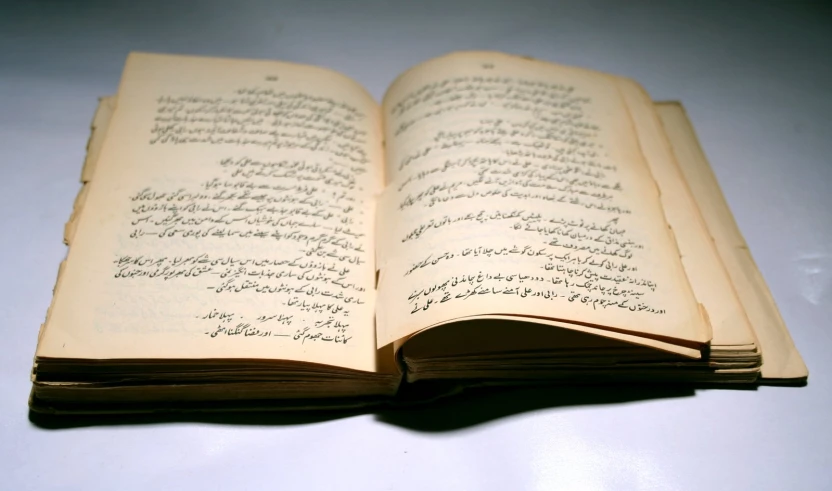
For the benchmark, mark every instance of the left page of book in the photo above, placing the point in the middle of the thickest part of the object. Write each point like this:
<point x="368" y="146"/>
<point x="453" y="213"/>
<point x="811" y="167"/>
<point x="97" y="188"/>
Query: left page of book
<point x="230" y="217"/>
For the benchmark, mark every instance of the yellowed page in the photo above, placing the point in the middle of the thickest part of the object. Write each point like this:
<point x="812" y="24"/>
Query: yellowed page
<point x="703" y="267"/>
<point x="98" y="133"/>
<point x="781" y="360"/>
<point x="230" y="217"/>
<point x="519" y="187"/>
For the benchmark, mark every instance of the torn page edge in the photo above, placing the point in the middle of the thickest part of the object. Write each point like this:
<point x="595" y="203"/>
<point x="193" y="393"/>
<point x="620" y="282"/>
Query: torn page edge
<point x="98" y="132"/>
<point x="781" y="360"/>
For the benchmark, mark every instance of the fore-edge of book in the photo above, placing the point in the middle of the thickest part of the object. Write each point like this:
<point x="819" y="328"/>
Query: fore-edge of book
<point x="781" y="360"/>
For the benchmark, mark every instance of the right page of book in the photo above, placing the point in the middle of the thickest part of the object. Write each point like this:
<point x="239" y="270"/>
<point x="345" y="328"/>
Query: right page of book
<point x="521" y="187"/>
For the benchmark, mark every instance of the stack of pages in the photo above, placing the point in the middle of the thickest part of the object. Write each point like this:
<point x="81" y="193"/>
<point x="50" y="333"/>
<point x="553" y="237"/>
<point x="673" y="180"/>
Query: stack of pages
<point x="260" y="234"/>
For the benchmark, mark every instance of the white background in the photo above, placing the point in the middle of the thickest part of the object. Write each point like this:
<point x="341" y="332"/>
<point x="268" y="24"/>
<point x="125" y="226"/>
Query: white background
<point x="756" y="80"/>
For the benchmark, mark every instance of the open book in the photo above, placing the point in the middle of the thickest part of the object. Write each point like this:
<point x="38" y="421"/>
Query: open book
<point x="264" y="234"/>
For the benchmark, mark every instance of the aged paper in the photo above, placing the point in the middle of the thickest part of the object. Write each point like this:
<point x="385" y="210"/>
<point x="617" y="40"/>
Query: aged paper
<point x="230" y="217"/>
<point x="781" y="360"/>
<point x="520" y="187"/>
<point x="98" y="133"/>
<point x="703" y="267"/>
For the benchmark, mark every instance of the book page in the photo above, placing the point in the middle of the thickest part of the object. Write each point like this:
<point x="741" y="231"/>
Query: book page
<point x="231" y="216"/>
<point x="707" y="276"/>
<point x="519" y="187"/>
<point x="781" y="360"/>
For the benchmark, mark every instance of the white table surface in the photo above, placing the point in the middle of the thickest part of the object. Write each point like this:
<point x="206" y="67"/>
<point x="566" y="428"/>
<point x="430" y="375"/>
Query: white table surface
<point x="756" y="81"/>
